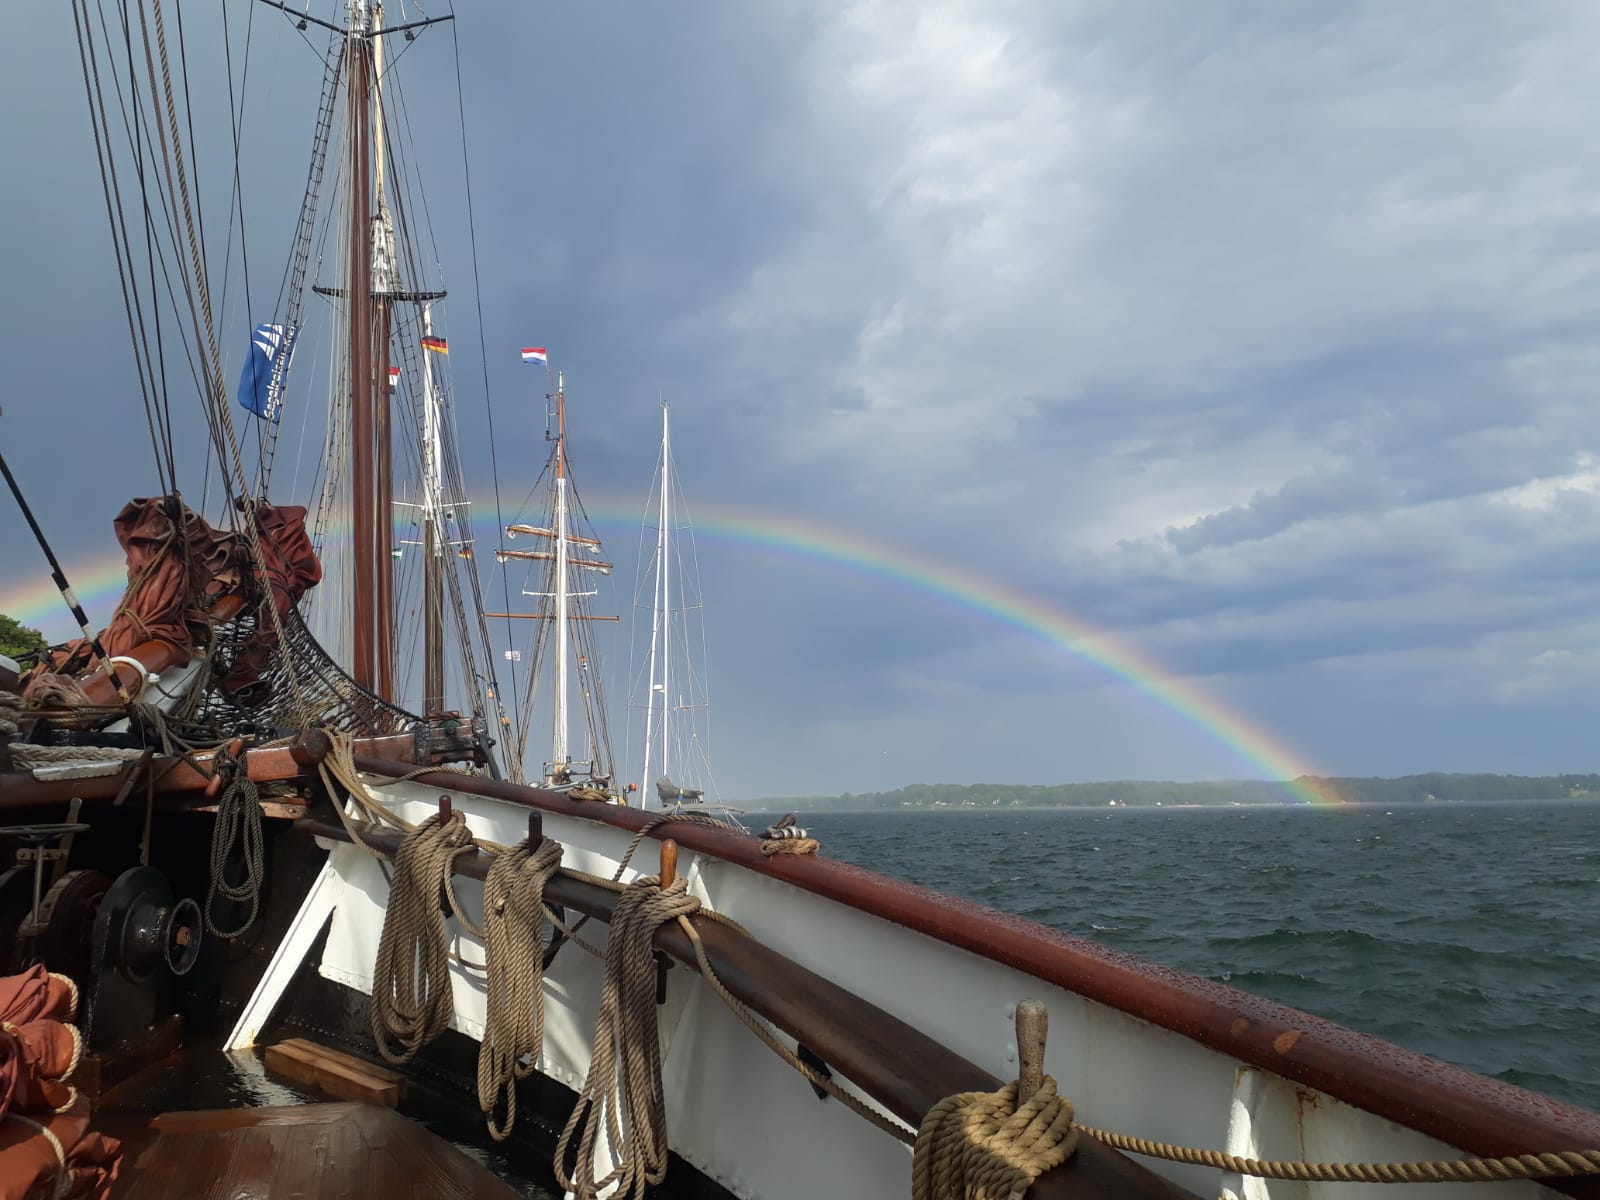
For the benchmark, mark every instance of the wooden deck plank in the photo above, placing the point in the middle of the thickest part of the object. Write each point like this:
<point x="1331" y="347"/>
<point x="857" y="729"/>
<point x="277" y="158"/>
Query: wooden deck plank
<point x="332" y="1151"/>
<point x="342" y="1076"/>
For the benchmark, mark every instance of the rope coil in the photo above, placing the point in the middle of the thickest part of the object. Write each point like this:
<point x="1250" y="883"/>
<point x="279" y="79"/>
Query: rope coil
<point x="513" y="1035"/>
<point x="623" y="1088"/>
<point x="236" y="829"/>
<point x="985" y="1146"/>
<point x="411" y="1001"/>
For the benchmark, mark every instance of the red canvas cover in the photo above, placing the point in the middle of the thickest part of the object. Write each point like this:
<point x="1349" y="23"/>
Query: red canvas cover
<point x="46" y="1148"/>
<point x="178" y="565"/>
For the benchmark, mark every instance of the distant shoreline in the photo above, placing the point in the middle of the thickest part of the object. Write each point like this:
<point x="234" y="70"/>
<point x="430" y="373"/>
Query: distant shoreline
<point x="764" y="810"/>
<point x="1429" y="789"/>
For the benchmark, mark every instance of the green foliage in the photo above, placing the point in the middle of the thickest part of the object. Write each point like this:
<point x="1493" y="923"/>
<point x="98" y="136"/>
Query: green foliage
<point x="17" y="640"/>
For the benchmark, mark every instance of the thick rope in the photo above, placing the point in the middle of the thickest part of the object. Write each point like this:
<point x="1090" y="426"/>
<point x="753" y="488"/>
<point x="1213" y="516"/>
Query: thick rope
<point x="1565" y="1164"/>
<point x="411" y="1002"/>
<point x="29" y="755"/>
<point x="785" y="837"/>
<point x="513" y="1033"/>
<point x="236" y="833"/>
<point x="622" y="1094"/>
<point x="799" y="845"/>
<point x="984" y="1146"/>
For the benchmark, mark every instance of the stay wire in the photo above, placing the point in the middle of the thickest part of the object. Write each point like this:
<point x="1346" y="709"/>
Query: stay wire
<point x="483" y="348"/>
<point x="100" y="125"/>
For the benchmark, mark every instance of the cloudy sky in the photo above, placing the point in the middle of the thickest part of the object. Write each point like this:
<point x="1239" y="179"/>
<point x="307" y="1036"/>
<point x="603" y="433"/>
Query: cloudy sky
<point x="1259" y="336"/>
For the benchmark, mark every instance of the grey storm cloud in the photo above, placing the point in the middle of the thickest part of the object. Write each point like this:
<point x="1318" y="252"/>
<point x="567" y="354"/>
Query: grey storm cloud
<point x="1261" y="337"/>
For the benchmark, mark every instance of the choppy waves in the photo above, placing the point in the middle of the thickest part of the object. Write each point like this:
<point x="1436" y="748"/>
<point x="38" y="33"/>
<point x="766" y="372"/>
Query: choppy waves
<point x="1469" y="932"/>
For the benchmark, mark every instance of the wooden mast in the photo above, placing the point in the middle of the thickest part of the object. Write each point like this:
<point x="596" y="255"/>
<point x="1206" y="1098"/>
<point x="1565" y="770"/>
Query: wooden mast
<point x="358" y="294"/>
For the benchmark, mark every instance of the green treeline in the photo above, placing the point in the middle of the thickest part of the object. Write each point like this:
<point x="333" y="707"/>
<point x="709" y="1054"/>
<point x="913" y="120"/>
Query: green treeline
<point x="1411" y="789"/>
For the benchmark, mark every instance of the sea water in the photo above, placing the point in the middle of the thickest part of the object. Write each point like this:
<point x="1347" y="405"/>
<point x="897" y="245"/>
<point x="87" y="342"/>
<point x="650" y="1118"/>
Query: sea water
<point x="1466" y="931"/>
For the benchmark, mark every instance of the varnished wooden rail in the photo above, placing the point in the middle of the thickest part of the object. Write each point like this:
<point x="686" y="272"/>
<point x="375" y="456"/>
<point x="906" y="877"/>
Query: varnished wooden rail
<point x="894" y="1063"/>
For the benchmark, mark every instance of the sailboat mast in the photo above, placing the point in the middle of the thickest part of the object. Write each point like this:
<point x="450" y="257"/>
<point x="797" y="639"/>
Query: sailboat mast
<point x="432" y="543"/>
<point x="558" y="750"/>
<point x="358" y="295"/>
<point x="658" y="613"/>
<point x="664" y="546"/>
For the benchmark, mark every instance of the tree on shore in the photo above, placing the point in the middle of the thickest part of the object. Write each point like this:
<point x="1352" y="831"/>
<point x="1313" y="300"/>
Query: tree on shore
<point x="17" y="640"/>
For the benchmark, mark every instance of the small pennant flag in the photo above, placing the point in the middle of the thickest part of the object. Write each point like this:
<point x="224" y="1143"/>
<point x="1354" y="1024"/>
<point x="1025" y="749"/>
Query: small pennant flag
<point x="394" y="378"/>
<point x="464" y="552"/>
<point x="437" y="345"/>
<point x="397" y="552"/>
<point x="535" y="354"/>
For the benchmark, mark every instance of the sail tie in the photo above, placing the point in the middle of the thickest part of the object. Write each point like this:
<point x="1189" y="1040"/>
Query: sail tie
<point x="513" y="1035"/>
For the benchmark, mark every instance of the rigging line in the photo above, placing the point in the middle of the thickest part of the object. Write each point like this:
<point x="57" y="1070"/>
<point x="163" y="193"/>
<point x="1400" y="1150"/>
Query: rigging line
<point x="100" y="125"/>
<point x="292" y="291"/>
<point x="194" y="155"/>
<point x="236" y="106"/>
<point x="163" y="392"/>
<point x="477" y="289"/>
<point x="151" y="397"/>
<point x="404" y="112"/>
<point x="192" y="273"/>
<point x="133" y="128"/>
<point x="251" y="531"/>
<point x="136" y="130"/>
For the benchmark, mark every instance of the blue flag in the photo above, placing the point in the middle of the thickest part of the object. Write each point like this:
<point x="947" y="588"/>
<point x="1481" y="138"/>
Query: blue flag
<point x="261" y="383"/>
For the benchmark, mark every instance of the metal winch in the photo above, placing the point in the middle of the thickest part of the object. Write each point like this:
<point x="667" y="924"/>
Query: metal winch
<point x="142" y="939"/>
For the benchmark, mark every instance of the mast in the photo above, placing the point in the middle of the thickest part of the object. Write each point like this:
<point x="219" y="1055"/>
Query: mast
<point x="432" y="543"/>
<point x="385" y="281"/>
<point x="558" y="749"/>
<point x="658" y="648"/>
<point x="664" y="541"/>
<point x="358" y="292"/>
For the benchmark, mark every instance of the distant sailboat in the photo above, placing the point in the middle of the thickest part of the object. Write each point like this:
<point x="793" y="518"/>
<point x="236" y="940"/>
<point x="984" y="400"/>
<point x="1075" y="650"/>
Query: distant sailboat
<point x="671" y="686"/>
<point x="563" y="638"/>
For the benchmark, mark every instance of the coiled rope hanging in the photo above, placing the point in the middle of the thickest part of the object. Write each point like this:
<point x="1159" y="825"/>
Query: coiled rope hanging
<point x="625" y="1070"/>
<point x="236" y="834"/>
<point x="513" y="1034"/>
<point x="411" y="1003"/>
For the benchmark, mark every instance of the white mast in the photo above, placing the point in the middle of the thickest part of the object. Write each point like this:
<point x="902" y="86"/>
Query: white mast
<point x="658" y="617"/>
<point x="665" y="542"/>
<point x="558" y="749"/>
<point x="432" y="532"/>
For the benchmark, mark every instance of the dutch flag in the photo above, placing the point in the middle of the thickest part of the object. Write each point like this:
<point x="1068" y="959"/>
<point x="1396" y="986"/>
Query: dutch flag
<point x="535" y="354"/>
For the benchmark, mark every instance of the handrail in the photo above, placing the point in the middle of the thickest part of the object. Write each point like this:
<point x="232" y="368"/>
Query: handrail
<point x="894" y="1063"/>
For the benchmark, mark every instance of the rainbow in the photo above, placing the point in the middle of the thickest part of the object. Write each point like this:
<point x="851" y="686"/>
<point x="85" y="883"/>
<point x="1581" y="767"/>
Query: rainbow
<point x="99" y="584"/>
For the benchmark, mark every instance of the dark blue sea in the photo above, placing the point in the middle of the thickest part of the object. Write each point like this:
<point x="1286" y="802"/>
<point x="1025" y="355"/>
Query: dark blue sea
<point x="1470" y="932"/>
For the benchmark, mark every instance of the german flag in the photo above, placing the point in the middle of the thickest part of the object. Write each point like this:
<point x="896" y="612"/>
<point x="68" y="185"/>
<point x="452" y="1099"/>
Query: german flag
<point x="437" y="345"/>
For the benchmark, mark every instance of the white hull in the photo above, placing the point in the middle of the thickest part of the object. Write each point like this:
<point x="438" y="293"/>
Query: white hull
<point x="1121" y="1072"/>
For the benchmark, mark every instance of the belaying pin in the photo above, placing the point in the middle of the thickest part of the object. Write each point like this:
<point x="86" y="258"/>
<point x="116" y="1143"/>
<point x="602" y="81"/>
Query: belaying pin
<point x="1033" y="1024"/>
<point x="669" y="863"/>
